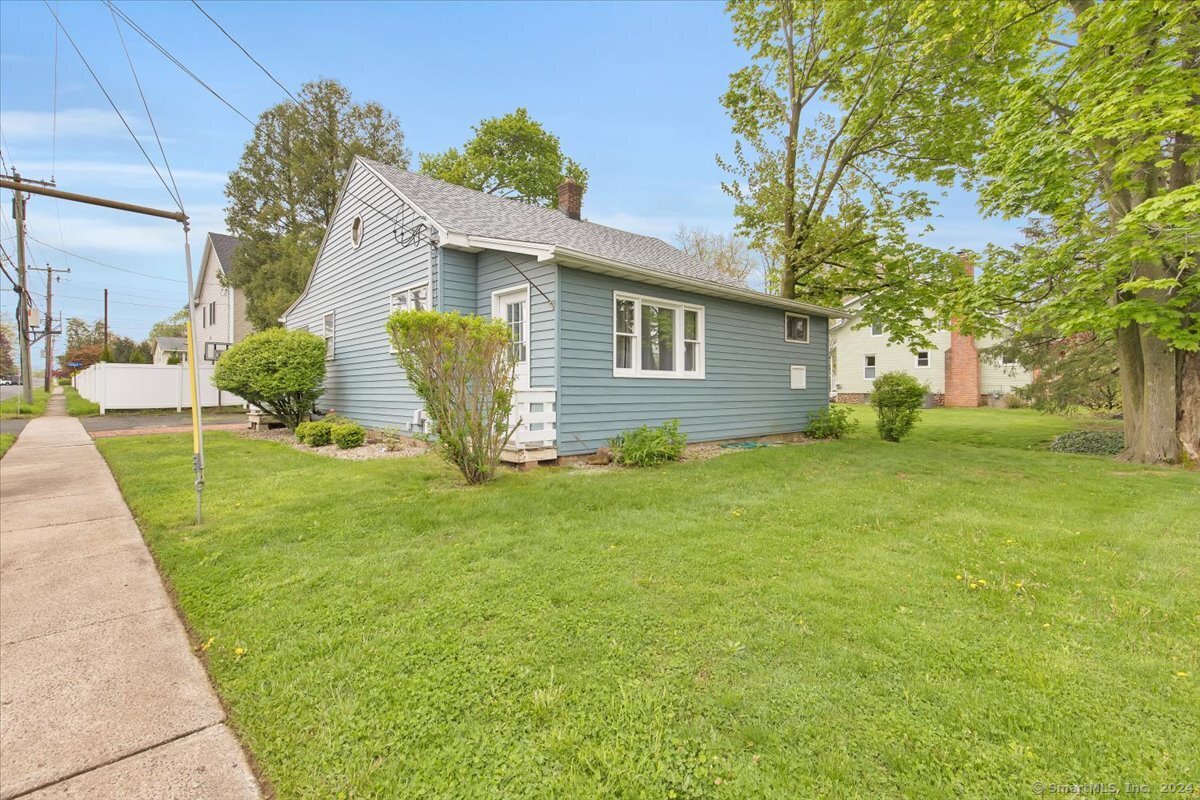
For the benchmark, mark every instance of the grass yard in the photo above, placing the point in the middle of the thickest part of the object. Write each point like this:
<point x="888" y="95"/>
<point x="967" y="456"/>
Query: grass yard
<point x="77" y="406"/>
<point x="6" y="441"/>
<point x="957" y="615"/>
<point x="9" y="408"/>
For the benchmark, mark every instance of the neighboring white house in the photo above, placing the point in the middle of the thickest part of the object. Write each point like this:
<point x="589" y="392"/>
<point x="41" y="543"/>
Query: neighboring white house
<point x="170" y="349"/>
<point x="954" y="369"/>
<point x="220" y="308"/>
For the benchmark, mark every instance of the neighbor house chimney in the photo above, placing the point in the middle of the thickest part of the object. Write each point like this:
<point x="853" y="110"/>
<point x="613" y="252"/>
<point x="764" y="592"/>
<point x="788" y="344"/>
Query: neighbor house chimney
<point x="570" y="198"/>
<point x="962" y="359"/>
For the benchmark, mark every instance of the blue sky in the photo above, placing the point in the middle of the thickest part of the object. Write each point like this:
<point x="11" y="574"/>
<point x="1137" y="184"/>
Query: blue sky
<point x="631" y="88"/>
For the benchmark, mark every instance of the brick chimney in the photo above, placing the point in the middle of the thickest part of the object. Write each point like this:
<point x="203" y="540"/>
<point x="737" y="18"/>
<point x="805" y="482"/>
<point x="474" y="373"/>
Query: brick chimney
<point x="570" y="198"/>
<point x="962" y="360"/>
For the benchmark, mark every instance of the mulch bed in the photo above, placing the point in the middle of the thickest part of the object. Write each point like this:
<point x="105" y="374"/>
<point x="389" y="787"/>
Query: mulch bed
<point x="404" y="448"/>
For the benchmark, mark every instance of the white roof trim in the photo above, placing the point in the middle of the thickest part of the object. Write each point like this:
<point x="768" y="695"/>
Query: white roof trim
<point x="203" y="269"/>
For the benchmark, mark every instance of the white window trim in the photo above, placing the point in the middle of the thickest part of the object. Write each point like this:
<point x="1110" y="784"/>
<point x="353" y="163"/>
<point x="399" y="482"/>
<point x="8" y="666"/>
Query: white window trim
<point x="520" y="287"/>
<point x="679" y="308"/>
<point x="871" y="329"/>
<point x="362" y="231"/>
<point x="391" y="301"/>
<point x="807" y="327"/>
<point x="330" y="339"/>
<point x="1004" y="362"/>
<point x="866" y="366"/>
<point x="928" y="359"/>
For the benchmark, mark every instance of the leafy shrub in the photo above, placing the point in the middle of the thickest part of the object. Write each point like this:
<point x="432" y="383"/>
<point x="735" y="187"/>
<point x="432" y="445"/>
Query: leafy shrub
<point x="318" y="434"/>
<point x="278" y="370"/>
<point x="64" y="381"/>
<point x="646" y="446"/>
<point x="302" y="430"/>
<point x="462" y="368"/>
<point x="1096" y="443"/>
<point x="348" y="435"/>
<point x="897" y="398"/>
<point x="831" y="422"/>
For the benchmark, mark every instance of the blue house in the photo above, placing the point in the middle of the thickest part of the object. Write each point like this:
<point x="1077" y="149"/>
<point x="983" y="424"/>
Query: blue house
<point x="614" y="329"/>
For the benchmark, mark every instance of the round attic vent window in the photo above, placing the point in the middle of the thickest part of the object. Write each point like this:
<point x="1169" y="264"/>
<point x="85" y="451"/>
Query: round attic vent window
<point x="356" y="231"/>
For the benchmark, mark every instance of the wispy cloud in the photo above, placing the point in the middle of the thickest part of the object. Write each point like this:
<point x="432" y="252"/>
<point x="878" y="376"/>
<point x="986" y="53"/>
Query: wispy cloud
<point x="106" y="234"/>
<point x="72" y="122"/>
<point x="126" y="173"/>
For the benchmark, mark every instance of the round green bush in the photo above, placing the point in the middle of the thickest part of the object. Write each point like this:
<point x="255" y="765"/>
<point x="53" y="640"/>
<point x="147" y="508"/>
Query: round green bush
<point x="897" y="398"/>
<point x="302" y="430"/>
<point x="279" y="370"/>
<point x="318" y="434"/>
<point x="348" y="435"/>
<point x="830" y="422"/>
<point x="1094" y="443"/>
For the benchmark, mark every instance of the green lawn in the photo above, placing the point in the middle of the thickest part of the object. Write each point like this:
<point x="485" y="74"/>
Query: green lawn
<point x="6" y="441"/>
<point x="841" y="619"/>
<point x="9" y="407"/>
<point x="77" y="406"/>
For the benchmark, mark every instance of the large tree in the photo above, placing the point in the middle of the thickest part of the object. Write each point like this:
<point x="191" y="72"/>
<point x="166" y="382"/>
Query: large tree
<point x="843" y="105"/>
<point x="1095" y="128"/>
<point x="174" y="325"/>
<point x="283" y="193"/>
<point x="728" y="254"/>
<point x="8" y="367"/>
<point x="512" y="156"/>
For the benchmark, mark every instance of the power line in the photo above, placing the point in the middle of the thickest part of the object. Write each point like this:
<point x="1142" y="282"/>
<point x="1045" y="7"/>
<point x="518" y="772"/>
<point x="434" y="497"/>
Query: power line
<point x="108" y="97"/>
<point x="105" y="264"/>
<point x="118" y="302"/>
<point x="146" y="105"/>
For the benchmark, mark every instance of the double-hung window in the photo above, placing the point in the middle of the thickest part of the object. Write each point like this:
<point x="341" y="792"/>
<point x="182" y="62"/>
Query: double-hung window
<point x="212" y="313"/>
<point x="654" y="338"/>
<point x="877" y="329"/>
<point x="414" y="298"/>
<point x="327" y="333"/>
<point x="869" y="368"/>
<point x="922" y="358"/>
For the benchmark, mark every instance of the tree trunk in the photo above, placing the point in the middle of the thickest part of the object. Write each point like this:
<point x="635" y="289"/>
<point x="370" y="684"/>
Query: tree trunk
<point x="1149" y="388"/>
<point x="1129" y="368"/>
<point x="1188" y="422"/>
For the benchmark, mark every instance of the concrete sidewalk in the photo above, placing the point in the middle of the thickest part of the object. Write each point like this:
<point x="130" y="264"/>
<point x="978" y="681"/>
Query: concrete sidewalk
<point x="100" y="693"/>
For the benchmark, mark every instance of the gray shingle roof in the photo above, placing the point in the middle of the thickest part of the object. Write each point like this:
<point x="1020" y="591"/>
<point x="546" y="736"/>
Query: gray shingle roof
<point x="168" y="344"/>
<point x="225" y="246"/>
<point x="473" y="213"/>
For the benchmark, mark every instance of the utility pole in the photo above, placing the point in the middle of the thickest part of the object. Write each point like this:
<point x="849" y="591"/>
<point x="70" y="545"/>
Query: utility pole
<point x="23" y="288"/>
<point x="49" y="333"/>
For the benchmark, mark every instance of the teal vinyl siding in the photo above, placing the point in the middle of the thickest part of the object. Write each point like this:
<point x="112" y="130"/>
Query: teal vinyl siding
<point x="363" y="380"/>
<point x="495" y="271"/>
<point x="745" y="392"/>
<point x="457" y="283"/>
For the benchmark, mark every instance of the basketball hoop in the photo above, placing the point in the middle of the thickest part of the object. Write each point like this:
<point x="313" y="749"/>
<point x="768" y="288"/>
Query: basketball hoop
<point x="213" y="350"/>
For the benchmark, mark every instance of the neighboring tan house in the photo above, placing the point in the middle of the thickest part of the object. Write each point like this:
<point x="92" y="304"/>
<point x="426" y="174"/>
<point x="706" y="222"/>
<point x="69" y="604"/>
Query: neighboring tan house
<point x="168" y="349"/>
<point x="220" y="308"/>
<point x="958" y="376"/>
<point x="613" y="329"/>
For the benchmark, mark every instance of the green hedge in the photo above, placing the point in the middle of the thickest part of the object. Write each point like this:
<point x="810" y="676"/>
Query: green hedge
<point x="349" y="435"/>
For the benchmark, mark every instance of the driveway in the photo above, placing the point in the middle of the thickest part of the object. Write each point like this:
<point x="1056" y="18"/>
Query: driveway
<point x="149" y="422"/>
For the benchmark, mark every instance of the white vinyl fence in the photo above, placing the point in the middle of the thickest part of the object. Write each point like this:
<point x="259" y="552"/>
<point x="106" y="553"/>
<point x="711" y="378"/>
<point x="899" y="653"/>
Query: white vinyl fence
<point x="126" y="386"/>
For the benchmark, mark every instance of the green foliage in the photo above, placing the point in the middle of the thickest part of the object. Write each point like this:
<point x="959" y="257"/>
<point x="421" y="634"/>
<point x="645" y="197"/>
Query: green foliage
<point x="283" y="192"/>
<point x="647" y="447"/>
<point x="462" y="368"/>
<point x="842" y="105"/>
<point x="77" y="406"/>
<point x="1098" y="443"/>
<point x="278" y="370"/>
<point x="1069" y="372"/>
<point x="63" y="381"/>
<point x="511" y="156"/>
<point x="174" y="325"/>
<point x="8" y="366"/>
<point x="12" y="407"/>
<point x="348" y="435"/>
<point x="831" y="422"/>
<point x="689" y="642"/>
<point x="315" y="434"/>
<point x="7" y="440"/>
<point x="897" y="398"/>
<point x="174" y="359"/>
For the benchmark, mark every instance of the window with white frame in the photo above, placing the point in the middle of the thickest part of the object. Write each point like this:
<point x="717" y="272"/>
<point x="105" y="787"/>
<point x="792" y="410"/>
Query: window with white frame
<point x="877" y="329"/>
<point x="514" y="317"/>
<point x="795" y="327"/>
<point x="327" y="333"/>
<point x="212" y="313"/>
<point x="356" y="232"/>
<point x="922" y="358"/>
<point x="203" y="316"/>
<point x="414" y="298"/>
<point x="654" y="338"/>
<point x="869" y="368"/>
<point x="1007" y="360"/>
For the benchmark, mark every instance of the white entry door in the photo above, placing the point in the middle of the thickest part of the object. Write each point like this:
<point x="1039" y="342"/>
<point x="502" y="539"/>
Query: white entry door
<point x="512" y="306"/>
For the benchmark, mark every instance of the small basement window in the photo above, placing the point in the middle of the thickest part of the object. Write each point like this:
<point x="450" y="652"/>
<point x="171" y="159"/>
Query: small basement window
<point x="869" y="368"/>
<point x="799" y="377"/>
<point x="922" y="358"/>
<point x="795" y="328"/>
<point x="356" y="232"/>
